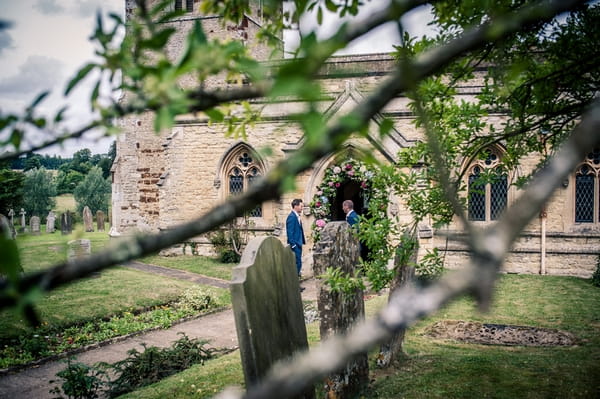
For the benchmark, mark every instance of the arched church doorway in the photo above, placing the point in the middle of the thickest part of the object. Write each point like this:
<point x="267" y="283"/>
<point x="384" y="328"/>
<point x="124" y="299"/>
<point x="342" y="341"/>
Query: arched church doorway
<point x="350" y="190"/>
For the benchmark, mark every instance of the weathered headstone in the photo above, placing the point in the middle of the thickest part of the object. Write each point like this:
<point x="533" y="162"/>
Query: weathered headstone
<point x="50" y="222"/>
<point x="11" y="215"/>
<point x="34" y="225"/>
<point x="66" y="223"/>
<point x="88" y="222"/>
<point x="6" y="228"/>
<point x="79" y="248"/>
<point x="23" y="227"/>
<point x="100" y="220"/>
<point x="267" y="306"/>
<point x="340" y="311"/>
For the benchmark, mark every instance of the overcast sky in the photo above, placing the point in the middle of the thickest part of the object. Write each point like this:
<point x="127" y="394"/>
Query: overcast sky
<point x="49" y="41"/>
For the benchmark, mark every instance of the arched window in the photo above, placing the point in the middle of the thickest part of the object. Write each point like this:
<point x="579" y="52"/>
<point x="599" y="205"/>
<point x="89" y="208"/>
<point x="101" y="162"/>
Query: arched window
<point x="189" y="5"/>
<point x="488" y="188"/>
<point x="242" y="171"/>
<point x="587" y="189"/>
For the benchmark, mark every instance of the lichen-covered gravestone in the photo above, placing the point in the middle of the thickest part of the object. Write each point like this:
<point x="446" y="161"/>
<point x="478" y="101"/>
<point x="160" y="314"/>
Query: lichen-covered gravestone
<point x="66" y="223"/>
<point x="23" y="227"/>
<point x="79" y="248"/>
<point x="88" y="222"/>
<point x="34" y="224"/>
<point x="50" y="222"/>
<point x="100" y="220"/>
<point x="267" y="306"/>
<point x="338" y="248"/>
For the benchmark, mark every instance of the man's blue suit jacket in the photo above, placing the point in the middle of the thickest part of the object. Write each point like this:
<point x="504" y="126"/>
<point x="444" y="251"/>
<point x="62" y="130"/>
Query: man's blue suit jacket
<point x="295" y="234"/>
<point x="352" y="218"/>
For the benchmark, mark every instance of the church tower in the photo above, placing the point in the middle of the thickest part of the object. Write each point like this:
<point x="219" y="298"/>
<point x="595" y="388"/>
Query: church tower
<point x="141" y="165"/>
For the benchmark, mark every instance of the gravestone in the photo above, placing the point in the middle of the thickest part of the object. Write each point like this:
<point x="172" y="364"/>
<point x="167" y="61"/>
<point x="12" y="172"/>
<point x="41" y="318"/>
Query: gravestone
<point x="88" y="223"/>
<point x="100" y="220"/>
<point x="79" y="248"/>
<point x="23" y="227"/>
<point x="66" y="223"/>
<point x="6" y="228"/>
<point x="11" y="215"/>
<point x="34" y="225"/>
<point x="338" y="248"/>
<point x="267" y="306"/>
<point x="50" y="222"/>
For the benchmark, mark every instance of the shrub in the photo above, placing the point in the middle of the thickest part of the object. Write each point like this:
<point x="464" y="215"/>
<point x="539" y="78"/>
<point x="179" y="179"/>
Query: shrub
<point x="196" y="298"/>
<point x="153" y="364"/>
<point x="80" y="381"/>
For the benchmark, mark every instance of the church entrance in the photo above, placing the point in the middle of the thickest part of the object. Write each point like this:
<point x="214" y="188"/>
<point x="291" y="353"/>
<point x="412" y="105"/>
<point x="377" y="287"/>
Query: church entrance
<point x="350" y="190"/>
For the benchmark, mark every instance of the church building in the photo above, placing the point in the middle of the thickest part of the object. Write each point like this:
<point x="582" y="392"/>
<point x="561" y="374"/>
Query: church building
<point x="162" y="180"/>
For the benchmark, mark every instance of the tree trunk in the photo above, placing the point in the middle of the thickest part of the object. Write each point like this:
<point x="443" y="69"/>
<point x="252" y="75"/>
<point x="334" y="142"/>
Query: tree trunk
<point x="404" y="261"/>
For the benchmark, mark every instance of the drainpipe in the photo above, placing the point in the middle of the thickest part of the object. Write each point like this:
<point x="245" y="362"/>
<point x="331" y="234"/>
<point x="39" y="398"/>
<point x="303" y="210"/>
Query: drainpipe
<point x="543" y="217"/>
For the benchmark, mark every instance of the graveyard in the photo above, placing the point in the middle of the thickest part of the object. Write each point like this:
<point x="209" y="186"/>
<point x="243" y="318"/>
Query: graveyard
<point x="432" y="366"/>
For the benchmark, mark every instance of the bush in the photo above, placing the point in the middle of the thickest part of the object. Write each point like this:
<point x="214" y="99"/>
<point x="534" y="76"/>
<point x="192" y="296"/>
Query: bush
<point x="223" y="244"/>
<point x="154" y="364"/>
<point x="196" y="298"/>
<point x="80" y="381"/>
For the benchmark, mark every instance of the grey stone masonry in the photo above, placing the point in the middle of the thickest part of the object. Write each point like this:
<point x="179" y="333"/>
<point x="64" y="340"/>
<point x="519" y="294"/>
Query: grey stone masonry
<point x="338" y="248"/>
<point x="268" y="308"/>
<point x="88" y="222"/>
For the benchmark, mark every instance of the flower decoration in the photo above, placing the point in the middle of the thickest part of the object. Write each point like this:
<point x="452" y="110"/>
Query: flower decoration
<point x="335" y="176"/>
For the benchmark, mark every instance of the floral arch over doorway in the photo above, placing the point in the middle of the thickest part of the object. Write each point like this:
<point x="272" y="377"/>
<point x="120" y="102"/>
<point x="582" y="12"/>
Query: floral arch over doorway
<point x="336" y="176"/>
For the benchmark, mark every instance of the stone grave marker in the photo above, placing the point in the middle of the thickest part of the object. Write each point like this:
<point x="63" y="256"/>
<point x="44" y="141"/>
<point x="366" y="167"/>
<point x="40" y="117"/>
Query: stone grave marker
<point x="11" y="215"/>
<point x="79" y="248"/>
<point x="34" y="225"/>
<point x="88" y="222"/>
<point x="66" y="223"/>
<point x="100" y="220"/>
<point x="23" y="227"/>
<point x="50" y="222"/>
<point x="339" y="312"/>
<point x="6" y="228"/>
<point x="267" y="306"/>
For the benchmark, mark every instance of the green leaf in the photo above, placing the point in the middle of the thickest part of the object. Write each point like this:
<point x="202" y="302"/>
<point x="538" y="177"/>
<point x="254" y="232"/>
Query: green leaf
<point x="83" y="72"/>
<point x="39" y="99"/>
<point x="331" y="6"/>
<point x="215" y="115"/>
<point x="320" y="16"/>
<point x="385" y="127"/>
<point x="95" y="93"/>
<point x="164" y="119"/>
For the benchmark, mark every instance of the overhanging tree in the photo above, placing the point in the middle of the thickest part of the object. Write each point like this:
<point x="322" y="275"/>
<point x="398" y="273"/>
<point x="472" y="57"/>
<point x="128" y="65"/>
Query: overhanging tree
<point x="143" y="65"/>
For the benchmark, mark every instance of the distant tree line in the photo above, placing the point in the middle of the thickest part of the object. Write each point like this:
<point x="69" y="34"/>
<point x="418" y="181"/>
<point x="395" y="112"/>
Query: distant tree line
<point x="29" y="183"/>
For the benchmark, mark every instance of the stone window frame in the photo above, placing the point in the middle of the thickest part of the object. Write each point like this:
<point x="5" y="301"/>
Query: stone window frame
<point x="230" y="162"/>
<point x="492" y="161"/>
<point x="589" y="167"/>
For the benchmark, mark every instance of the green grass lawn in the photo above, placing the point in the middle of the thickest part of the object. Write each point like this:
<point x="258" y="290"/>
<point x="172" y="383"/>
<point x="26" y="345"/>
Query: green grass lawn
<point x="447" y="369"/>
<point x="102" y="296"/>
<point x="195" y="264"/>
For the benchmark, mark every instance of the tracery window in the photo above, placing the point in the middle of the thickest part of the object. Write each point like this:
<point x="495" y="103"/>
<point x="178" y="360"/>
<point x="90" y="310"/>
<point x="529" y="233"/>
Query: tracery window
<point x="587" y="189"/>
<point x="242" y="172"/>
<point x="487" y="188"/>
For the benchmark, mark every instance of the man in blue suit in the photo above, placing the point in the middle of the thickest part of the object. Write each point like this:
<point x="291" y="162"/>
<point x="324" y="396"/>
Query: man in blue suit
<point x="295" y="233"/>
<point x="351" y="216"/>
